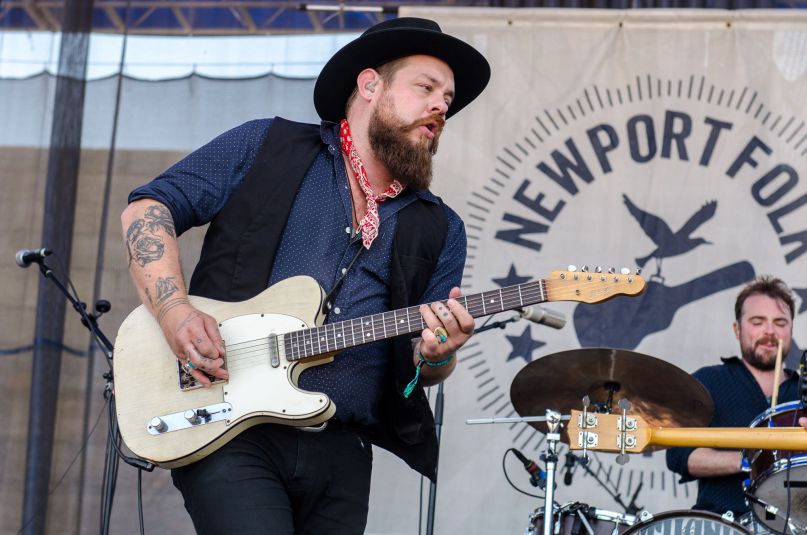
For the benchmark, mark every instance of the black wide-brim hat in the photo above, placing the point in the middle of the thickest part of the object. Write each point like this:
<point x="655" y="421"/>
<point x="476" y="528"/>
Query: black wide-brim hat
<point x="391" y="40"/>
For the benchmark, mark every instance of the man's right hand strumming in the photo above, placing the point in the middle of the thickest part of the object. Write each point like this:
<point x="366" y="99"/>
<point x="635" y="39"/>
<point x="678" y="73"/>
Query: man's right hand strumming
<point x="151" y="242"/>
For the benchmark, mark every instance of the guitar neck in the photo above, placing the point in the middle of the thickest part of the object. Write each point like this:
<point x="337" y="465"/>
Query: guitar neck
<point x="785" y="438"/>
<point x="350" y="333"/>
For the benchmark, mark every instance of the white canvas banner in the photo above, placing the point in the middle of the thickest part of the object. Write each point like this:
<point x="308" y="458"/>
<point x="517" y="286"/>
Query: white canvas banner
<point x="670" y="140"/>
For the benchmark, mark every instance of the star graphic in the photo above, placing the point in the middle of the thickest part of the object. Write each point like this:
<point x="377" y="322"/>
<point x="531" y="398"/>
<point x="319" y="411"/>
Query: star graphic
<point x="802" y="293"/>
<point x="511" y="279"/>
<point x="523" y="345"/>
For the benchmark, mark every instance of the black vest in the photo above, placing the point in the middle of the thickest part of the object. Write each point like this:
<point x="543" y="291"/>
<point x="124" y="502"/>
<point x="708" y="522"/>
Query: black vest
<point x="239" y="251"/>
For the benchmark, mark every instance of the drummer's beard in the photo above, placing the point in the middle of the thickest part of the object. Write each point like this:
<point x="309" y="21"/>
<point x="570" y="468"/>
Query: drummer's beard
<point x="761" y="357"/>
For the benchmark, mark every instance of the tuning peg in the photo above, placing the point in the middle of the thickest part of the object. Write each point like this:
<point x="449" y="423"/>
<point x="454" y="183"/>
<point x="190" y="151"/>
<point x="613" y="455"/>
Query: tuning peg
<point x="611" y="271"/>
<point x="625" y="271"/>
<point x="584" y="269"/>
<point x="572" y="268"/>
<point x="638" y="271"/>
<point x="598" y="269"/>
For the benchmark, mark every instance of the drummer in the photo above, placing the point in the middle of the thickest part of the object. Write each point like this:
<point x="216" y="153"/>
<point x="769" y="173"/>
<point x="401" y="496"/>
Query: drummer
<point x="741" y="389"/>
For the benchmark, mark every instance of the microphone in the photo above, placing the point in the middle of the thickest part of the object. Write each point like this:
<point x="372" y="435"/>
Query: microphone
<point x="567" y="476"/>
<point x="26" y="257"/>
<point x="537" y="476"/>
<point x="544" y="316"/>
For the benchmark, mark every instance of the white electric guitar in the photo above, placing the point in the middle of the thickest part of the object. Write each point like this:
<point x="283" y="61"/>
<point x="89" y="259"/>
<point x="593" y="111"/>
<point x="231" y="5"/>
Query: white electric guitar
<point x="168" y="419"/>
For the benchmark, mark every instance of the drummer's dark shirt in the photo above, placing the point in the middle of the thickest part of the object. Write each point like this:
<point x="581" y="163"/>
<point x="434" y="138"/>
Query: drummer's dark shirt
<point x="738" y="400"/>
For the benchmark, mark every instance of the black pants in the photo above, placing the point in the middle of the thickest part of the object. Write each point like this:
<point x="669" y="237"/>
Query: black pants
<point x="279" y="480"/>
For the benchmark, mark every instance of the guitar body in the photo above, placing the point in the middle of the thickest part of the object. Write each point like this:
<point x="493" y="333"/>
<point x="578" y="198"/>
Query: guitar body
<point x="261" y="389"/>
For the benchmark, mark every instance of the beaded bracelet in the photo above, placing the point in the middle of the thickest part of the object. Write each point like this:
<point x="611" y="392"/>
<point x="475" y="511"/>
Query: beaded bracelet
<point x="430" y="363"/>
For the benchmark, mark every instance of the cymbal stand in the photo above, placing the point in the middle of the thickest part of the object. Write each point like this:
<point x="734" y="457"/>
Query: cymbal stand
<point x="552" y="419"/>
<point x="551" y="459"/>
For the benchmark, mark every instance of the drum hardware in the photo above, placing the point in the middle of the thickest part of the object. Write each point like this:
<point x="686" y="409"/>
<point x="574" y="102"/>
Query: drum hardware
<point x="553" y="421"/>
<point x="690" y="522"/>
<point x="551" y="461"/>
<point x="577" y="518"/>
<point x="776" y="490"/>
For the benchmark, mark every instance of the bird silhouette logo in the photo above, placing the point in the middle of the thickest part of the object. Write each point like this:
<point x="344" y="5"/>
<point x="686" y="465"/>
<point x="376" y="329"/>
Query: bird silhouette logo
<point x="669" y="243"/>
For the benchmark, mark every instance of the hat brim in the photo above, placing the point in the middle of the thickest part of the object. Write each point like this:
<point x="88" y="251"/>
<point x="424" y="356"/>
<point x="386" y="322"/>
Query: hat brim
<point x="338" y="78"/>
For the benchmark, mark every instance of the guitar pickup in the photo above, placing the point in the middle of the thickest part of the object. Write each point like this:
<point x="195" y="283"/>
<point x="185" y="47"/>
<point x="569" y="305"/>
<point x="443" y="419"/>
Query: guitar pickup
<point x="166" y="423"/>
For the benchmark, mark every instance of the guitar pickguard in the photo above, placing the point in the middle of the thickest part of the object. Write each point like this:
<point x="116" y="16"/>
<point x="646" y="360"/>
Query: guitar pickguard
<point x="262" y="381"/>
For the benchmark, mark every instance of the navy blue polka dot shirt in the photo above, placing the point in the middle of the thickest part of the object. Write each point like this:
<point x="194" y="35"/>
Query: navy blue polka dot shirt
<point x="318" y="241"/>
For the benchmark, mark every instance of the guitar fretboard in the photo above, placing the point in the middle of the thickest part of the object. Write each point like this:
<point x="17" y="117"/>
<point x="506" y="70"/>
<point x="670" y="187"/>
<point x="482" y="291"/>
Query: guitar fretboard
<point x="344" y="334"/>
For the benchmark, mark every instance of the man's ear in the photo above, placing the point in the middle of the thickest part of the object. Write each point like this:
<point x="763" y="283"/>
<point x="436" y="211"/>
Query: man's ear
<point x="736" y="327"/>
<point x="366" y="83"/>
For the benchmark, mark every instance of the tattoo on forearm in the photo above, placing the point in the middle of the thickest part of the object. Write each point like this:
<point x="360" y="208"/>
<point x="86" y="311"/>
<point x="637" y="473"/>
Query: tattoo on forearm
<point x="165" y="287"/>
<point x="158" y="218"/>
<point x="169" y="305"/>
<point x="142" y="239"/>
<point x="143" y="247"/>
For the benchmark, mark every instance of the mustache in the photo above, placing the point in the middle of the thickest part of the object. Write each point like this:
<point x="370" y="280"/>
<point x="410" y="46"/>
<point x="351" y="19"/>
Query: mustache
<point x="767" y="340"/>
<point x="435" y="118"/>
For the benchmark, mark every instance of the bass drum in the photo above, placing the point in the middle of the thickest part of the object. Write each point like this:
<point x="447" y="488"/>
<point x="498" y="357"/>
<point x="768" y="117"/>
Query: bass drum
<point x="778" y="477"/>
<point x="579" y="519"/>
<point x="686" y="522"/>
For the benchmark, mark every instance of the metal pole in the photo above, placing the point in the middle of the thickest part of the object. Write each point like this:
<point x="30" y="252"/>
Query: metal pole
<point x="552" y="437"/>
<point x="57" y="233"/>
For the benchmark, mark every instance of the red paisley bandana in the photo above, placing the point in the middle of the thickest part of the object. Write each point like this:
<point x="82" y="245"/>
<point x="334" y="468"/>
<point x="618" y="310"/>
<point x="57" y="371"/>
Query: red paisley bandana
<point x="369" y="223"/>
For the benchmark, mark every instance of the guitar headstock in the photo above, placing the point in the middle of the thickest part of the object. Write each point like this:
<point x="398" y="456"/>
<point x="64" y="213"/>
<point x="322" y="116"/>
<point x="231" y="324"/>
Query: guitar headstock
<point x="592" y="286"/>
<point x="603" y="432"/>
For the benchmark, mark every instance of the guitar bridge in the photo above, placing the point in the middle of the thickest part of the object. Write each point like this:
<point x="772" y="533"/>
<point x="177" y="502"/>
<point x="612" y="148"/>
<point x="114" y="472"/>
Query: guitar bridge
<point x="187" y="381"/>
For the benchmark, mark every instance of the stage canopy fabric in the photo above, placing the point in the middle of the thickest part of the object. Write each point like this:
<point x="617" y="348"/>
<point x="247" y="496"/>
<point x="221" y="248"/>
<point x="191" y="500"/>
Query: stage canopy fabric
<point x="244" y="17"/>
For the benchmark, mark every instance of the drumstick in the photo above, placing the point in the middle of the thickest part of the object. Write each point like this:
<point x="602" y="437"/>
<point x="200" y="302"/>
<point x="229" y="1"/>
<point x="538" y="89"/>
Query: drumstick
<point x="776" y="373"/>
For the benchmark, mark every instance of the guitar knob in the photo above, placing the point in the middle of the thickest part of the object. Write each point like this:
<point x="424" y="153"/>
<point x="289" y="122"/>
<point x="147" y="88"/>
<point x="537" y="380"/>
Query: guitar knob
<point x="625" y="271"/>
<point x="192" y="416"/>
<point x="584" y="269"/>
<point x="598" y="269"/>
<point x="611" y="271"/>
<point x="638" y="271"/>
<point x="158" y="424"/>
<point x="572" y="268"/>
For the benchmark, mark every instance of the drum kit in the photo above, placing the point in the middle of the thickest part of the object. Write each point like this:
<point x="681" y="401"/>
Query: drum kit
<point x="632" y="403"/>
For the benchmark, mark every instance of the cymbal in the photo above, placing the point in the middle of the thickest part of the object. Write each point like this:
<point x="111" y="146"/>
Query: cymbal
<point x="661" y="393"/>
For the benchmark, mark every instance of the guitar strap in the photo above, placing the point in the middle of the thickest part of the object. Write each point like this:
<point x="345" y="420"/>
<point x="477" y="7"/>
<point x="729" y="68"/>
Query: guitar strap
<point x="239" y="252"/>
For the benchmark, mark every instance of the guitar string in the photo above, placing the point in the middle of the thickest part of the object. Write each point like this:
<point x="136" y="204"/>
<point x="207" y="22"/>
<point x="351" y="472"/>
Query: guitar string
<point x="391" y="318"/>
<point x="335" y="336"/>
<point x="242" y="353"/>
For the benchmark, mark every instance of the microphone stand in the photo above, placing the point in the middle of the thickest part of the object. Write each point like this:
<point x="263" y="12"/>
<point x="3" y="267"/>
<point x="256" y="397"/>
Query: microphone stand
<point x="438" y="425"/>
<point x="89" y="320"/>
